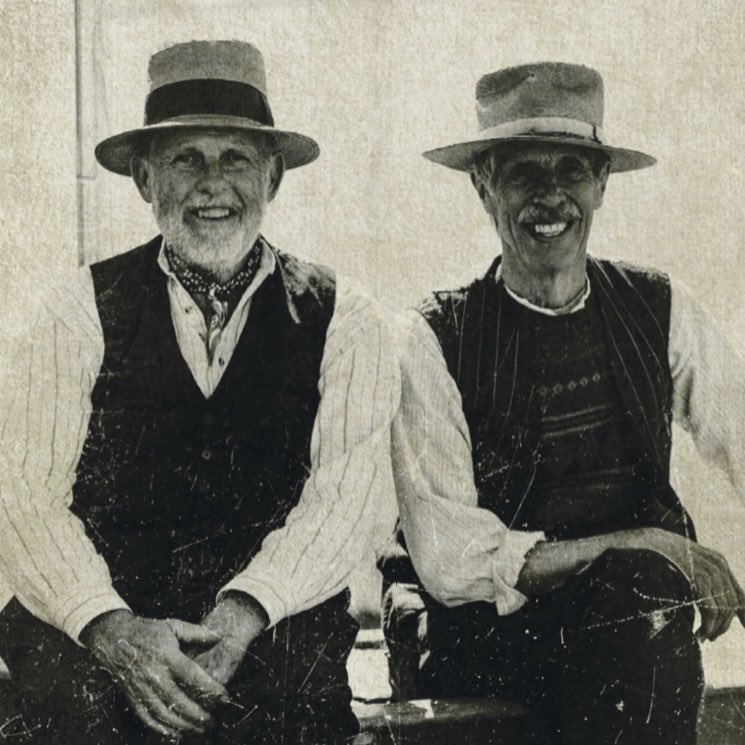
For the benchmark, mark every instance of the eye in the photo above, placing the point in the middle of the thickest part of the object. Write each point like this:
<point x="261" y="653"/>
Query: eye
<point x="573" y="170"/>
<point x="187" y="160"/>
<point x="523" y="174"/>
<point x="237" y="161"/>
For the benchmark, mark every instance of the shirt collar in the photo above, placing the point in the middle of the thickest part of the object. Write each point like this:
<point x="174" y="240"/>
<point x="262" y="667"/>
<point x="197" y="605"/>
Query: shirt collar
<point x="578" y="305"/>
<point x="269" y="263"/>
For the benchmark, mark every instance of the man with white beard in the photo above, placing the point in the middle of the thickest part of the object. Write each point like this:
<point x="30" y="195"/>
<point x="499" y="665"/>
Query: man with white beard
<point x="195" y="487"/>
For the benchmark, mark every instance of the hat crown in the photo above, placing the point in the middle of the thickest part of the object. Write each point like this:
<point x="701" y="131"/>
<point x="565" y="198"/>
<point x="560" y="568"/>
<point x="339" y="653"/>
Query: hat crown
<point x="542" y="90"/>
<point x="237" y="61"/>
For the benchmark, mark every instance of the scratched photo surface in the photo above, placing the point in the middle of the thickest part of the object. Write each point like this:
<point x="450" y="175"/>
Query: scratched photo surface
<point x="376" y="83"/>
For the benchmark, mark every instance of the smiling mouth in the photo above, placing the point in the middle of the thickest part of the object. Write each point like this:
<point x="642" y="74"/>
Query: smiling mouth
<point x="548" y="231"/>
<point x="214" y="213"/>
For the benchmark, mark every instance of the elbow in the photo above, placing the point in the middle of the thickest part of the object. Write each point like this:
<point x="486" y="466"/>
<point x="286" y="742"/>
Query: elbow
<point x="439" y="586"/>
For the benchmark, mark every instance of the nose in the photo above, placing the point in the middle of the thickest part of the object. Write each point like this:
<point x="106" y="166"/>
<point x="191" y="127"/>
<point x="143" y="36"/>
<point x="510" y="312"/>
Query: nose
<point x="549" y="193"/>
<point x="211" y="178"/>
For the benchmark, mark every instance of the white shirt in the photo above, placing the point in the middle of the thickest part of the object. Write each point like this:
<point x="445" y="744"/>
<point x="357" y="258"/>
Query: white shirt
<point x="50" y="367"/>
<point x="464" y="553"/>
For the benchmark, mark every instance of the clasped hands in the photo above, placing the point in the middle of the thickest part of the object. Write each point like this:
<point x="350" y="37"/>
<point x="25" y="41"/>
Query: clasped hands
<point x="174" y="673"/>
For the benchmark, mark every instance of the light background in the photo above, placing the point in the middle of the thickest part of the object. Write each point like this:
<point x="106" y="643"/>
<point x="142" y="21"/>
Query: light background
<point x="376" y="83"/>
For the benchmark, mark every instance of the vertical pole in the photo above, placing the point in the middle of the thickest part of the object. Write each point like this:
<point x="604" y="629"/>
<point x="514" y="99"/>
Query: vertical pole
<point x="79" y="130"/>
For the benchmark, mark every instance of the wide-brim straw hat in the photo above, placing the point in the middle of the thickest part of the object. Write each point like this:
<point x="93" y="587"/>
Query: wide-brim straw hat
<point x="206" y="84"/>
<point x="549" y="102"/>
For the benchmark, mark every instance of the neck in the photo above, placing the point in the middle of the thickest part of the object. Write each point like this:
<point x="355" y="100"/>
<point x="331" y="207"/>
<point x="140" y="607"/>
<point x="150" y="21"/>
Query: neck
<point x="216" y="266"/>
<point x="555" y="289"/>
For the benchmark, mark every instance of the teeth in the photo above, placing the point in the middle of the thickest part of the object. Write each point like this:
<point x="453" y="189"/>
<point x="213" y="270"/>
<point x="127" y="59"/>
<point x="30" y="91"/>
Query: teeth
<point x="213" y="213"/>
<point x="551" y="230"/>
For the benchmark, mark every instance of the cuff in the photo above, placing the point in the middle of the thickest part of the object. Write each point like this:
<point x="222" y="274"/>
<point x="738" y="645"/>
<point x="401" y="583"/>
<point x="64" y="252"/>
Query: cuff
<point x="271" y="594"/>
<point x="507" y="565"/>
<point x="78" y="613"/>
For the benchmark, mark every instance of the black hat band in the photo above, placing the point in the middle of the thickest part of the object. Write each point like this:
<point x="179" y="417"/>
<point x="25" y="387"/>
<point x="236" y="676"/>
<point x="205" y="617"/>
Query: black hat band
<point x="207" y="97"/>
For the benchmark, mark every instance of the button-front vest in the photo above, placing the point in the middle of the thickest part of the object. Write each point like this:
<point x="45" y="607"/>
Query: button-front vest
<point x="177" y="492"/>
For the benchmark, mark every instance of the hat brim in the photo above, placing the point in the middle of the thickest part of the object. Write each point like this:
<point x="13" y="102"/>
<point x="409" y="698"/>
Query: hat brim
<point x="115" y="153"/>
<point x="461" y="155"/>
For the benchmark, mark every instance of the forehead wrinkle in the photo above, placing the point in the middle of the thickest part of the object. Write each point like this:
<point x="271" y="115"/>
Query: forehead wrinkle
<point x="201" y="140"/>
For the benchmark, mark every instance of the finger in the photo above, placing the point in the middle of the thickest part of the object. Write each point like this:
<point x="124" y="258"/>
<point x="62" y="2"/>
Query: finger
<point x="189" y="675"/>
<point x="723" y="597"/>
<point x="152" y="723"/>
<point x="164" y="712"/>
<point x="178" y="702"/>
<point x="726" y="599"/>
<point x="708" y="620"/>
<point x="193" y="633"/>
<point x="740" y="596"/>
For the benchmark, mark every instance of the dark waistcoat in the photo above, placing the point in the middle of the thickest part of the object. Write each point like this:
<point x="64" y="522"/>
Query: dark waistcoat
<point x="177" y="492"/>
<point x="489" y="345"/>
<point x="486" y="340"/>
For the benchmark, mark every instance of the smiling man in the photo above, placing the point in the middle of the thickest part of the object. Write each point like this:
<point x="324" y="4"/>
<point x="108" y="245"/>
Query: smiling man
<point x="195" y="444"/>
<point x="553" y="563"/>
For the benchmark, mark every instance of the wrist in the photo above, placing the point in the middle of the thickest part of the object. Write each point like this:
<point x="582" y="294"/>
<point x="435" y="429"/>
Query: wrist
<point x="245" y="616"/>
<point x="103" y="626"/>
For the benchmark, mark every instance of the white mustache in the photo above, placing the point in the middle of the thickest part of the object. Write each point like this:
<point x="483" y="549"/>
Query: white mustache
<point x="536" y="214"/>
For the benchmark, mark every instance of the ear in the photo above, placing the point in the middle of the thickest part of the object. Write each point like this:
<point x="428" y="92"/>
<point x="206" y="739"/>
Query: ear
<point x="276" y="173"/>
<point x="602" y="180"/>
<point x="140" y="170"/>
<point x="481" y="189"/>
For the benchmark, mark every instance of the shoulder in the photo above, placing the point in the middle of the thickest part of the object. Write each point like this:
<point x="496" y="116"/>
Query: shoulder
<point x="636" y="275"/>
<point x="306" y="281"/>
<point x="445" y="310"/>
<point x="125" y="269"/>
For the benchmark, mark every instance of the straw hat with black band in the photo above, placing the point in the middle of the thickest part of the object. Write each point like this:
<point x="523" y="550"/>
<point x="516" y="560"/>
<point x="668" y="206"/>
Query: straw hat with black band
<point x="206" y="84"/>
<point x="551" y="102"/>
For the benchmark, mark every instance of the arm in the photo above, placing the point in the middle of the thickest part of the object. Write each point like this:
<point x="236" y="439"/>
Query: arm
<point x="708" y="386"/>
<point x="46" y="558"/>
<point x="45" y="554"/>
<point x="715" y="590"/>
<point x="347" y="502"/>
<point x="462" y="553"/>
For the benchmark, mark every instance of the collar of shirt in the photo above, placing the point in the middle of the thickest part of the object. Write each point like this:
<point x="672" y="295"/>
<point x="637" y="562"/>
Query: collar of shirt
<point x="578" y="305"/>
<point x="208" y="351"/>
<point x="266" y="267"/>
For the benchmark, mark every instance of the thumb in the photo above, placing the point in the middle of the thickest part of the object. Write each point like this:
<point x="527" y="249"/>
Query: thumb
<point x="193" y="633"/>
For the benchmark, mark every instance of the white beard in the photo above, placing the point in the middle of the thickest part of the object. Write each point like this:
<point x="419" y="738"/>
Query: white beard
<point x="219" y="255"/>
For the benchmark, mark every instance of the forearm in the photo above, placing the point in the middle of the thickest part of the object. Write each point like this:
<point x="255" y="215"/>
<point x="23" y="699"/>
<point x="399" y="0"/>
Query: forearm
<point x="51" y="565"/>
<point x="46" y="557"/>
<point x="551" y="563"/>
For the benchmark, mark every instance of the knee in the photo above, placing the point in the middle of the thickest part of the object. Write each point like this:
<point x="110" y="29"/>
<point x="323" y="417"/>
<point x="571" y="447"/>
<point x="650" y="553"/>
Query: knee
<point x="632" y="584"/>
<point x="642" y="574"/>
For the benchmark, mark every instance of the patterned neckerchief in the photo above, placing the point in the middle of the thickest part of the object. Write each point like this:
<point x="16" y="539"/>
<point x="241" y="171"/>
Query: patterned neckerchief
<point x="195" y="282"/>
<point x="219" y="295"/>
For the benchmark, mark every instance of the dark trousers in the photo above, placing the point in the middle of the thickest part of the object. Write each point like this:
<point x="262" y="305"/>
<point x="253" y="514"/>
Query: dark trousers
<point x="59" y="695"/>
<point x="609" y="658"/>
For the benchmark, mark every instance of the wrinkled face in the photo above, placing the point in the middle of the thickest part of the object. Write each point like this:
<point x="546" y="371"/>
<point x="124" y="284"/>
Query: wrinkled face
<point x="209" y="190"/>
<point x="542" y="198"/>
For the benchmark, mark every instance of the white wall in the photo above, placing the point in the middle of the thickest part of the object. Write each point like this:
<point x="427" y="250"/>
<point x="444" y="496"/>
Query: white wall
<point x="377" y="82"/>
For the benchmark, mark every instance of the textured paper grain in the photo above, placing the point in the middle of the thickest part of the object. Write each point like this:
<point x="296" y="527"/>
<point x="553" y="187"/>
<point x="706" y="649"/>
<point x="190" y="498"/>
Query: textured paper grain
<point x="376" y="83"/>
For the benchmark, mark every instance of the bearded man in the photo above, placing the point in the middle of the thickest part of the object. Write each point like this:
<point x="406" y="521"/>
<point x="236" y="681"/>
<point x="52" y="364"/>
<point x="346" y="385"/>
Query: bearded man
<point x="554" y="563"/>
<point x="193" y="460"/>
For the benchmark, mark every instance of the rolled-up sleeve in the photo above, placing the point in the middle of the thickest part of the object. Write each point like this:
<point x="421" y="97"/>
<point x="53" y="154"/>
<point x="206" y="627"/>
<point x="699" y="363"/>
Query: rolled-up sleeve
<point x="347" y="506"/>
<point x="462" y="553"/>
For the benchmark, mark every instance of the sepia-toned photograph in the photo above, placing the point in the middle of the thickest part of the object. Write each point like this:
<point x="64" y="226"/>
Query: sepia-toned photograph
<point x="373" y="372"/>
